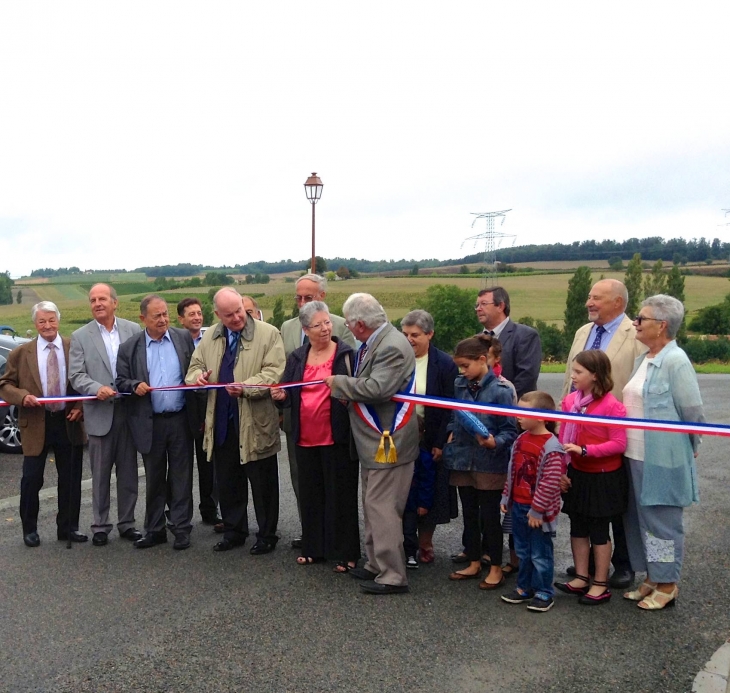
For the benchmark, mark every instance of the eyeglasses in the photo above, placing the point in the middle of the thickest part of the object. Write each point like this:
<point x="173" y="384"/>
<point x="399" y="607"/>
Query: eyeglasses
<point x="320" y="325"/>
<point x="304" y="299"/>
<point x="484" y="304"/>
<point x="640" y="318"/>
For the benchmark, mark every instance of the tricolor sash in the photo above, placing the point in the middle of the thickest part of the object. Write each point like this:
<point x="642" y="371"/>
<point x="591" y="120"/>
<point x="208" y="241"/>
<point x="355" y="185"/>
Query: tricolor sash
<point x="402" y="415"/>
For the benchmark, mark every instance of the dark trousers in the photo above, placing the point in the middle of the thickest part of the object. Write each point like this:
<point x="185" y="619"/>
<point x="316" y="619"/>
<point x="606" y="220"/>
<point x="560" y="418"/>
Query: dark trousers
<point x="233" y="478"/>
<point x="328" y="481"/>
<point x="482" y="526"/>
<point x="620" y="557"/>
<point x="206" y="483"/>
<point x="169" y="475"/>
<point x="68" y="465"/>
<point x="410" y="533"/>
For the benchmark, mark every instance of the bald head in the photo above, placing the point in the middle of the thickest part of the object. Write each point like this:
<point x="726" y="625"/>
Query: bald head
<point x="606" y="301"/>
<point x="228" y="307"/>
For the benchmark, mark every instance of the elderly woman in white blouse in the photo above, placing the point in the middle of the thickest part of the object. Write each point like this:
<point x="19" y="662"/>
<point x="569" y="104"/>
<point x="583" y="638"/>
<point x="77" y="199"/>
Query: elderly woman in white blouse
<point x="662" y="471"/>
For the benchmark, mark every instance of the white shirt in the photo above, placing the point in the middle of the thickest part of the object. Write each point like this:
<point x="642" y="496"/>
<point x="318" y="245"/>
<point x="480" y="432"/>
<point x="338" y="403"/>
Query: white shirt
<point x="42" y="351"/>
<point x="421" y="380"/>
<point x="111" y="344"/>
<point x="498" y="329"/>
<point x="633" y="400"/>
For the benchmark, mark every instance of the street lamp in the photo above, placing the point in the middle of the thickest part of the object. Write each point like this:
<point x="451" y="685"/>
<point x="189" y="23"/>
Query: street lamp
<point x="313" y="189"/>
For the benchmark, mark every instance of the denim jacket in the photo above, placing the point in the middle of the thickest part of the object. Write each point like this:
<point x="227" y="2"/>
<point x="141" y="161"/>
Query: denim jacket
<point x="671" y="393"/>
<point x="465" y="453"/>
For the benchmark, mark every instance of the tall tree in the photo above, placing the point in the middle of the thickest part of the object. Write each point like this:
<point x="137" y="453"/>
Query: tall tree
<point x="6" y="295"/>
<point x="675" y="283"/>
<point x="632" y="281"/>
<point x="278" y="316"/>
<point x="453" y="314"/>
<point x="576" y="314"/>
<point x="656" y="281"/>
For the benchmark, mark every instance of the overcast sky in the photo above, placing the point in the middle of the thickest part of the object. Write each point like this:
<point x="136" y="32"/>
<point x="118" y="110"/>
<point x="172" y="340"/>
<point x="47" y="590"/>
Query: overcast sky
<point x="147" y="133"/>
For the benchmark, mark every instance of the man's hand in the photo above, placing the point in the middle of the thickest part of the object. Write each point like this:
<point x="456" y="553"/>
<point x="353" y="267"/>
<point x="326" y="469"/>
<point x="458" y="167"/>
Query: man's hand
<point x="329" y="380"/>
<point x="234" y="390"/>
<point x="75" y="415"/>
<point x="142" y="389"/>
<point x="488" y="443"/>
<point x="277" y="394"/>
<point x="105" y="392"/>
<point x="30" y="401"/>
<point x="534" y="522"/>
<point x="203" y="378"/>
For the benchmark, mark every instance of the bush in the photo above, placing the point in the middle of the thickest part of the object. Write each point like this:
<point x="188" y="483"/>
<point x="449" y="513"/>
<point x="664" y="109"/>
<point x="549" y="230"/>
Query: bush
<point x="702" y="350"/>
<point x="555" y="344"/>
<point x="453" y="314"/>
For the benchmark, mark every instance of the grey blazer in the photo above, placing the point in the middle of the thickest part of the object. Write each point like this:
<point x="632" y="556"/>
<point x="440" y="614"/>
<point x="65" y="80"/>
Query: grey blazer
<point x="132" y="370"/>
<point x="89" y="369"/>
<point x="386" y="369"/>
<point x="521" y="356"/>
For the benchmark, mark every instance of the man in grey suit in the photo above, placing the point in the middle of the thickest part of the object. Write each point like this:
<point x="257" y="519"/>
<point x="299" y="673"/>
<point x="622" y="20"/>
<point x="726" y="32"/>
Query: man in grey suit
<point x="162" y="423"/>
<point x="385" y="365"/>
<point x="309" y="287"/>
<point x="93" y="371"/>
<point x="521" y="347"/>
<point x="612" y="331"/>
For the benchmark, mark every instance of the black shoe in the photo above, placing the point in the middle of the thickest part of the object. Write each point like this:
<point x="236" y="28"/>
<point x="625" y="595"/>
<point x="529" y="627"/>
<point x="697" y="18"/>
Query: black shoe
<point x="621" y="579"/>
<point x="151" y="539"/>
<point x="261" y="547"/>
<point x="32" y="540"/>
<point x="182" y="542"/>
<point x="296" y="543"/>
<point x="76" y="537"/>
<point x="211" y="520"/>
<point x="362" y="574"/>
<point x="228" y="544"/>
<point x="570" y="571"/>
<point x="378" y="588"/>
<point x="99" y="539"/>
<point x="131" y="534"/>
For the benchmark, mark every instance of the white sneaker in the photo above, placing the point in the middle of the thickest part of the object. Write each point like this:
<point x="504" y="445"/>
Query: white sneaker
<point x="411" y="563"/>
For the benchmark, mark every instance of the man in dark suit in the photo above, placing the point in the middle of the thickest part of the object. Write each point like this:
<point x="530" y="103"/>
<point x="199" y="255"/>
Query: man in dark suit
<point x="160" y="422"/>
<point x="521" y="347"/>
<point x="385" y="365"/>
<point x="39" y="369"/>
<point x="92" y="371"/>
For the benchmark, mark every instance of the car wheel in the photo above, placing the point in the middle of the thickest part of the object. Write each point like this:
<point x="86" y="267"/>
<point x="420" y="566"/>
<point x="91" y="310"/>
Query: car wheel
<point x="9" y="431"/>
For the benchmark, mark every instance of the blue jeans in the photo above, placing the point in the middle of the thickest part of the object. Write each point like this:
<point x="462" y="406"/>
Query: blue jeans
<point x="535" y="551"/>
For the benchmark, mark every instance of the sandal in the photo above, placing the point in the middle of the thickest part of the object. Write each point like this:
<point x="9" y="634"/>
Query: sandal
<point x="571" y="589"/>
<point x="308" y="560"/>
<point x="644" y="590"/>
<point x="510" y="569"/>
<point x="344" y="567"/>
<point x="659" y="600"/>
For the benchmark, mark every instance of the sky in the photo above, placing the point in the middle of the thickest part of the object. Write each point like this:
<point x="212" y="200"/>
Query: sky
<point x="136" y="133"/>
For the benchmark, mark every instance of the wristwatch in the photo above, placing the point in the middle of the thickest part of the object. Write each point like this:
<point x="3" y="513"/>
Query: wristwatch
<point x="583" y="451"/>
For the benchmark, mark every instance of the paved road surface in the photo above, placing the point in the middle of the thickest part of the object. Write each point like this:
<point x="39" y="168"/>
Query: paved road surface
<point x="119" y="619"/>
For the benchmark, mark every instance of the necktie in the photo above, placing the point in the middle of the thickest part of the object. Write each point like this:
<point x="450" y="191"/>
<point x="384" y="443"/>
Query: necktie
<point x="600" y="330"/>
<point x="305" y="341"/>
<point x="489" y="332"/>
<point x="234" y="344"/>
<point x="361" y="354"/>
<point x="53" y="378"/>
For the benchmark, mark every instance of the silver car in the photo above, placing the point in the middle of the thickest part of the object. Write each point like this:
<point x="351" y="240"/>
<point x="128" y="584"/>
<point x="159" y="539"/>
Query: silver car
<point x="9" y="431"/>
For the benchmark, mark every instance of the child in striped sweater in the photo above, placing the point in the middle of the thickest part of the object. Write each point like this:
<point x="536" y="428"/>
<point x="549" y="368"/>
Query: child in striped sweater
<point x="532" y="496"/>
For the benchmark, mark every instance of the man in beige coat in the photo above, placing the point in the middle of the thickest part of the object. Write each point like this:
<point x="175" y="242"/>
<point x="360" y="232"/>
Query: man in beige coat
<point x="309" y="287"/>
<point x="611" y="331"/>
<point x="241" y="423"/>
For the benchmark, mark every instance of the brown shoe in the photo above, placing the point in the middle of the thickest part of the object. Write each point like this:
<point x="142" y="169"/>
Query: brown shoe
<point x="484" y="585"/>
<point x="463" y="576"/>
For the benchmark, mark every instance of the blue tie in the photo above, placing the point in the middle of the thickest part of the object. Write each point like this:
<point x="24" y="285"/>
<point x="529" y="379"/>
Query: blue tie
<point x="361" y="354"/>
<point x="600" y="330"/>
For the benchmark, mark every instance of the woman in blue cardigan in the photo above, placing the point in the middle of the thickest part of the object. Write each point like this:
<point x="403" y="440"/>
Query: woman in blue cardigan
<point x="662" y="470"/>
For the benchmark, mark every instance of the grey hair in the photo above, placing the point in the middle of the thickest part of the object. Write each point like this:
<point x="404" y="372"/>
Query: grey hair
<point x="225" y="289"/>
<point x="308" y="310"/>
<point x="112" y="290"/>
<point x="421" y="319"/>
<point x="366" y="309"/>
<point x="666" y="308"/>
<point x="48" y="306"/>
<point x="318" y="279"/>
<point x="145" y="302"/>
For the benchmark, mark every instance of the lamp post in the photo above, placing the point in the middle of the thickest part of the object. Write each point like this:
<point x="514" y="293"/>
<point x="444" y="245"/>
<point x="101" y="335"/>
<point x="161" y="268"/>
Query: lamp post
<point x="313" y="189"/>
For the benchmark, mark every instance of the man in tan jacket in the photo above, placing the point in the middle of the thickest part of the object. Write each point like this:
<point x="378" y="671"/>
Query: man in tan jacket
<point x="241" y="424"/>
<point x="611" y="331"/>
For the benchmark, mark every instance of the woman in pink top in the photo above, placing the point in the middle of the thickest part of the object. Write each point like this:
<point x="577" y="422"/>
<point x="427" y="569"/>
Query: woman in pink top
<point x="328" y="477"/>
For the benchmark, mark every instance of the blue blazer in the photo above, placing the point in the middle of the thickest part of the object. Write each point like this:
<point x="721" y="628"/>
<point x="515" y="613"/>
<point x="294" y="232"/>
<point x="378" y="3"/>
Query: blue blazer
<point x="440" y="376"/>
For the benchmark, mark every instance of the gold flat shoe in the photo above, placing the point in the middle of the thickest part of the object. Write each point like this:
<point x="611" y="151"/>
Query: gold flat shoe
<point x="659" y="600"/>
<point x="644" y="590"/>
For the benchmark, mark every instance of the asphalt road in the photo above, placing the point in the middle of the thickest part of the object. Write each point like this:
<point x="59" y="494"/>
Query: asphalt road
<point x="119" y="619"/>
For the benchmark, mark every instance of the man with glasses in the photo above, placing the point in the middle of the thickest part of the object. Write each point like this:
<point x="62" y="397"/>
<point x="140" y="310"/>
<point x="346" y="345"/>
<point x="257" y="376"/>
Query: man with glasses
<point x="309" y="287"/>
<point x="610" y="330"/>
<point x="521" y="347"/>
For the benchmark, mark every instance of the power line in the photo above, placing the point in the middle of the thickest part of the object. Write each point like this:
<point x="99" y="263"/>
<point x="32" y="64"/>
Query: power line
<point x="492" y="240"/>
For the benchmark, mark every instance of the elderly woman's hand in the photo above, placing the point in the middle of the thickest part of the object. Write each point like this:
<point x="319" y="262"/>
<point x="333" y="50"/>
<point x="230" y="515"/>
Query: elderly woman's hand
<point x="277" y="394"/>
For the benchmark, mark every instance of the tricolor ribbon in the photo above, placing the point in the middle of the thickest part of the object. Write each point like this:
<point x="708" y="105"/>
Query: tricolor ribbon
<point x="403" y="411"/>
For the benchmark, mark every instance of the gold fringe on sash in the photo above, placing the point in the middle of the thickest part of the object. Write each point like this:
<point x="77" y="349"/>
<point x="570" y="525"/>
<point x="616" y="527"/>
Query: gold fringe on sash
<point x="392" y="456"/>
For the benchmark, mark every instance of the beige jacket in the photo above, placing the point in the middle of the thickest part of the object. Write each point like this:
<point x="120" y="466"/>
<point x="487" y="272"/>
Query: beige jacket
<point x="622" y="351"/>
<point x="260" y="360"/>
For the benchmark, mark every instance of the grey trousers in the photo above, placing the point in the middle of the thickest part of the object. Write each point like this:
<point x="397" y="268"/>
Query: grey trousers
<point x="384" y="496"/>
<point x="114" y="449"/>
<point x="169" y="475"/>
<point x="654" y="533"/>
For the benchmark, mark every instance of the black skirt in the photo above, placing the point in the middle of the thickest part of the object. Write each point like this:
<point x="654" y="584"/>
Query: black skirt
<point x="600" y="494"/>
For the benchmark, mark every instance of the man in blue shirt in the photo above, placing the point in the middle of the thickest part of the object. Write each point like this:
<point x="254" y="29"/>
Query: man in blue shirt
<point x="161" y="422"/>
